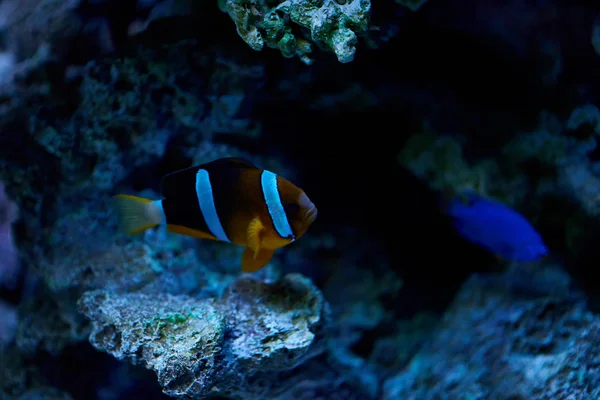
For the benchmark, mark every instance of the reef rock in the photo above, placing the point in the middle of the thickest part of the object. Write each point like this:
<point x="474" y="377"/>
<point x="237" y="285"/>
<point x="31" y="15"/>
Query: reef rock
<point x="232" y="346"/>
<point x="503" y="340"/>
<point x="332" y="24"/>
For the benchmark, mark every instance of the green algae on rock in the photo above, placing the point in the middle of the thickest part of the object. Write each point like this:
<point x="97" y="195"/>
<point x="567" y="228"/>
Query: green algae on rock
<point x="333" y="25"/>
<point x="206" y="347"/>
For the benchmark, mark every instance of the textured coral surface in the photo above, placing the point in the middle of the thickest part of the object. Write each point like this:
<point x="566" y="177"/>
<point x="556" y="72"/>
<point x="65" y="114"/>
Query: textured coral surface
<point x="381" y="112"/>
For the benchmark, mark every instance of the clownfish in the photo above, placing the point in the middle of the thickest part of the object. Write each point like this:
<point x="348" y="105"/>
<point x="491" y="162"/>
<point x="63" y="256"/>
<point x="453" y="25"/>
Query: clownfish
<point x="228" y="200"/>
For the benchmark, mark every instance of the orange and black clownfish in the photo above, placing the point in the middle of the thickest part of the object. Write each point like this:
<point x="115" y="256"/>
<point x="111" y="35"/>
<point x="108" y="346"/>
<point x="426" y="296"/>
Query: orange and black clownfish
<point x="229" y="200"/>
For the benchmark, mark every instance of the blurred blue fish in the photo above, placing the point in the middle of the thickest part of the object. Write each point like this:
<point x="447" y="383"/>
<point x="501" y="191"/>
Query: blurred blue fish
<point x="496" y="227"/>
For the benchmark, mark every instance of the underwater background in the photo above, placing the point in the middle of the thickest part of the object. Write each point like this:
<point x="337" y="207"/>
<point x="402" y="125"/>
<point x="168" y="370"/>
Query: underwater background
<point x="392" y="116"/>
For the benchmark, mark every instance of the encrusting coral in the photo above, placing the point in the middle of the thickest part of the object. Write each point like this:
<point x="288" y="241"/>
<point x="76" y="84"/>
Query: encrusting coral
<point x="200" y="348"/>
<point x="332" y="24"/>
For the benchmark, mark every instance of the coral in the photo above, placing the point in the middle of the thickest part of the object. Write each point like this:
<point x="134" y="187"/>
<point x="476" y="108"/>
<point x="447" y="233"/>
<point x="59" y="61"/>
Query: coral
<point x="21" y="379"/>
<point x="392" y="353"/>
<point x="356" y="291"/>
<point x="581" y="181"/>
<point x="315" y="380"/>
<point x="413" y="5"/>
<point x="44" y="394"/>
<point x="233" y="346"/>
<point x="86" y="256"/>
<point x="563" y="148"/>
<point x="578" y="173"/>
<point x="276" y="326"/>
<point x="149" y="267"/>
<point x="7" y="66"/>
<point x="587" y="114"/>
<point x="355" y="297"/>
<point x="171" y="335"/>
<point x="555" y="160"/>
<point x="8" y="324"/>
<point x="158" y="10"/>
<point x="112" y="120"/>
<point x="439" y="160"/>
<point x="114" y="113"/>
<point x="528" y="338"/>
<point x="172" y="313"/>
<point x="332" y="24"/>
<point x="9" y="258"/>
<point x="37" y="36"/>
<point x="547" y="143"/>
<point x="31" y="24"/>
<point x="48" y="323"/>
<point x="355" y="369"/>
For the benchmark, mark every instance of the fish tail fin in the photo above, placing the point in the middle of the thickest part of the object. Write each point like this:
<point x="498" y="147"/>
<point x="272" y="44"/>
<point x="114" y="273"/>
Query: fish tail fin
<point x="137" y="214"/>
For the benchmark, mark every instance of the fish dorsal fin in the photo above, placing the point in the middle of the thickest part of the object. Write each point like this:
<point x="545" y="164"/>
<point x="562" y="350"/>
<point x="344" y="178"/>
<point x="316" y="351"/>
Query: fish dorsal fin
<point x="173" y="181"/>
<point x="252" y="262"/>
<point x="229" y="162"/>
<point x="254" y="235"/>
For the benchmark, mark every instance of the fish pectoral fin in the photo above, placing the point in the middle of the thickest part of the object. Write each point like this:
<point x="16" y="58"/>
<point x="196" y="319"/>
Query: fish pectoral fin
<point x="255" y="257"/>
<point x="254" y="235"/>
<point x="253" y="261"/>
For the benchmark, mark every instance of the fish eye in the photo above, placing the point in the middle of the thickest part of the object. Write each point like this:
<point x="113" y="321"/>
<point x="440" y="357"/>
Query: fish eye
<point x="291" y="208"/>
